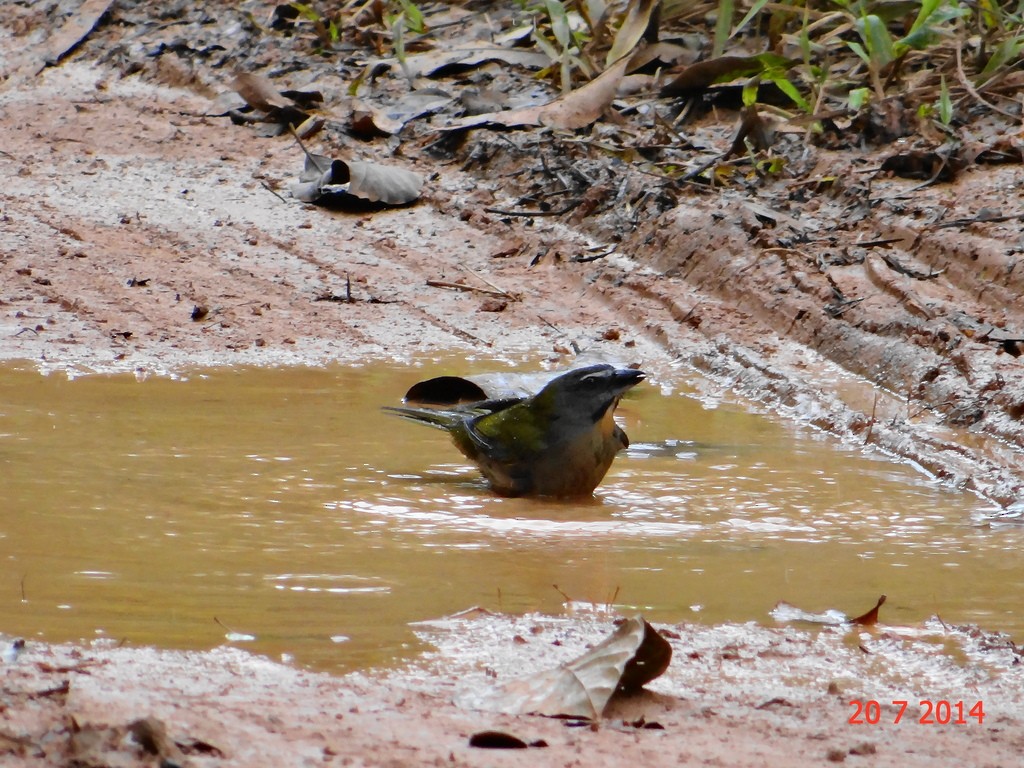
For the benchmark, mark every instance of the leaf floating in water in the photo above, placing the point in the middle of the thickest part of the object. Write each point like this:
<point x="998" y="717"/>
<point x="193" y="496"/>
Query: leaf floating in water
<point x="625" y="661"/>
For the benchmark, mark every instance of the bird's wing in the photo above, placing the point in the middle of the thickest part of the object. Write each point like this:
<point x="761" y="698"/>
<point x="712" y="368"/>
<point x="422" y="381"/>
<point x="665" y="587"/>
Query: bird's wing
<point x="512" y="435"/>
<point x="485" y="407"/>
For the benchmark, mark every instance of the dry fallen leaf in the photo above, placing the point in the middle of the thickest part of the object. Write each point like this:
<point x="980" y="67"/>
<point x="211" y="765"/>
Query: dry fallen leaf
<point x="151" y="734"/>
<point x="870" y="618"/>
<point x="282" y="108"/>
<point x="786" y="613"/>
<point x="921" y="164"/>
<point x="637" y="24"/>
<point x="574" y="110"/>
<point x="258" y="92"/>
<point x="335" y="182"/>
<point x="496" y="740"/>
<point x="369" y="121"/>
<point x="633" y="655"/>
<point x="469" y="55"/>
<point x="78" y="26"/>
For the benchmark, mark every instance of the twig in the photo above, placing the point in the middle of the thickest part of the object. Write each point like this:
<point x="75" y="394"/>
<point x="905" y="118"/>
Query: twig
<point x="531" y="214"/>
<point x="690" y="312"/>
<point x="966" y="83"/>
<point x="309" y="155"/>
<point x="876" y="243"/>
<point x="553" y="327"/>
<point x="683" y="113"/>
<point x="979" y="219"/>
<point x="614" y="596"/>
<point x="465" y="287"/>
<point x="272" y="191"/>
<point x="693" y="174"/>
<point x="907" y="192"/>
<point x="482" y="279"/>
<point x="62" y="688"/>
<point x="595" y="257"/>
<point x="871" y="423"/>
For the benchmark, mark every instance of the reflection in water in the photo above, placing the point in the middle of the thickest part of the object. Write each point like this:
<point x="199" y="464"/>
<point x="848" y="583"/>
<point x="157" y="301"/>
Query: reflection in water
<point x="283" y="504"/>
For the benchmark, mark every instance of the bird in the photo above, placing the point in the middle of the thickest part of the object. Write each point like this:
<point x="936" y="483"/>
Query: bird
<point x="559" y="442"/>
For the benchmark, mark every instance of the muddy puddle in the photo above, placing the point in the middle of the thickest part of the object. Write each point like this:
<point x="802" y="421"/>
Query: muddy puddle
<point x="283" y="507"/>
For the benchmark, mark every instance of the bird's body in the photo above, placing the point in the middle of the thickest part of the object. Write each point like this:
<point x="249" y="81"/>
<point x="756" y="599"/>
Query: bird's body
<point x="559" y="442"/>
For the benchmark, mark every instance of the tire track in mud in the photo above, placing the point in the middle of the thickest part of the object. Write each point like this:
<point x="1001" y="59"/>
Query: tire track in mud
<point x="757" y="321"/>
<point x="715" y="304"/>
<point x="794" y="382"/>
<point x="722" y="319"/>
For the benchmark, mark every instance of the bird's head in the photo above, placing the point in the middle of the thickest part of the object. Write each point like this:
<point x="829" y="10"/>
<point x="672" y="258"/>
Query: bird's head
<point x="588" y="393"/>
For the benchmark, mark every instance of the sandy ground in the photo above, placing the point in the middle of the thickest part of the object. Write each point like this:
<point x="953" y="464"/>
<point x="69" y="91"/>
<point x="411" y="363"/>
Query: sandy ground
<point x="733" y="695"/>
<point x="140" y="233"/>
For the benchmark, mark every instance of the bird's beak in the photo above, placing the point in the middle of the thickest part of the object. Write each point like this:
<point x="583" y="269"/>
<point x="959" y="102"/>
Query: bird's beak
<point x="628" y="377"/>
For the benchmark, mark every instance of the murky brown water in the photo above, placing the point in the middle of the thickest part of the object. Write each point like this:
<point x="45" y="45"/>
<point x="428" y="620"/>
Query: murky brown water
<point x="286" y="505"/>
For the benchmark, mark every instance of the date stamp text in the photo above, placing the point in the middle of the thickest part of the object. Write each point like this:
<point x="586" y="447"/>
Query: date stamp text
<point x="925" y="711"/>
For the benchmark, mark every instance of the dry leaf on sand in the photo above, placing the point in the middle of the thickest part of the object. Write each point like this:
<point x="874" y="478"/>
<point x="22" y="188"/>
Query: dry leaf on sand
<point x="334" y="182"/>
<point x="629" y="658"/>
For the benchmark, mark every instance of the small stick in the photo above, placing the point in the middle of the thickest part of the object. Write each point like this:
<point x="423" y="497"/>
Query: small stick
<point x="966" y="83"/>
<point x="531" y="214"/>
<point x="615" y="594"/>
<point x="272" y="191"/>
<point x="464" y="287"/>
<point x="309" y="155"/>
<point x="484" y="280"/>
<point x="871" y="424"/>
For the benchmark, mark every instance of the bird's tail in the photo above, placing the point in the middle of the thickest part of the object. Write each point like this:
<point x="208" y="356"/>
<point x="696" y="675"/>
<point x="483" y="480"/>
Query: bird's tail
<point x="447" y="418"/>
<point x="432" y="417"/>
